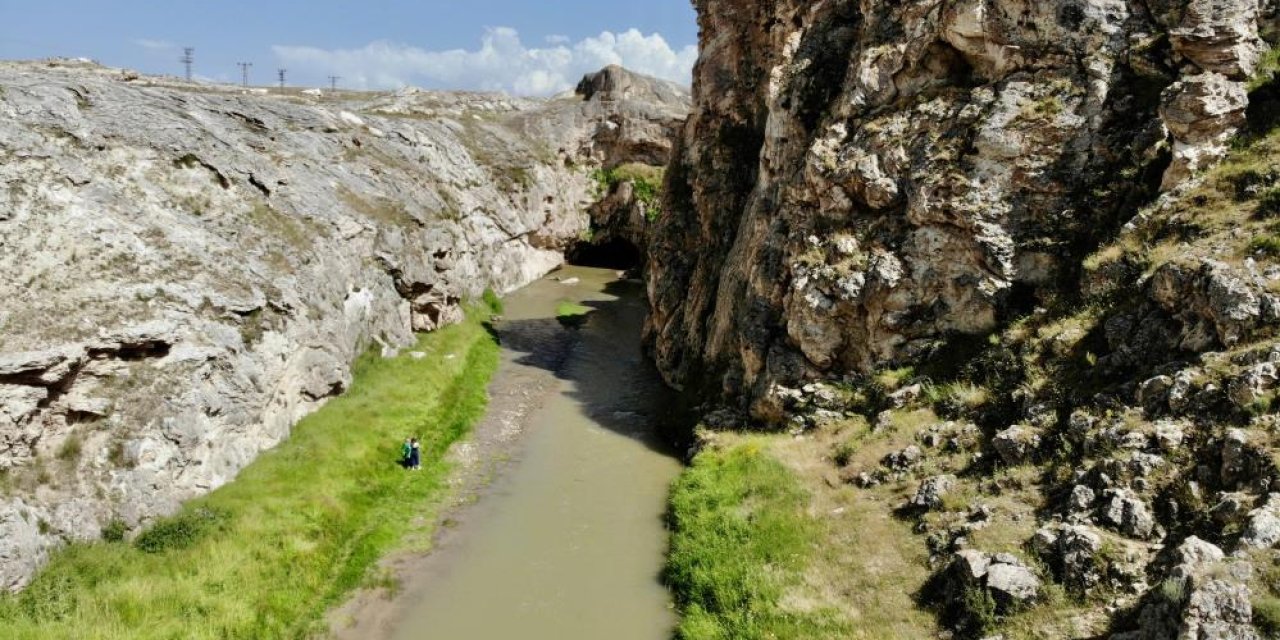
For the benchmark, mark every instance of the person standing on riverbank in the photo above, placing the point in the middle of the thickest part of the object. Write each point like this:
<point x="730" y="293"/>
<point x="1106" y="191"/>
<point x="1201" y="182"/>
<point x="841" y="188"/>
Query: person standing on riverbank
<point x="415" y="455"/>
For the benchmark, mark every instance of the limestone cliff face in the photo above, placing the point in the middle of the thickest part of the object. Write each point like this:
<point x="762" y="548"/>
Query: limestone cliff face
<point x="190" y="269"/>
<point x="634" y="148"/>
<point x="858" y="181"/>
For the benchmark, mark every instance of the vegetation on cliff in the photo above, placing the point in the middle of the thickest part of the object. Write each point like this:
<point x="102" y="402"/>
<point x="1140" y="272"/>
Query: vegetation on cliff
<point x="645" y="181"/>
<point x="267" y="555"/>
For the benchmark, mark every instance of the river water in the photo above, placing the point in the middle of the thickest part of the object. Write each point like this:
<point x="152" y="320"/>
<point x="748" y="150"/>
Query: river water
<point x="569" y="541"/>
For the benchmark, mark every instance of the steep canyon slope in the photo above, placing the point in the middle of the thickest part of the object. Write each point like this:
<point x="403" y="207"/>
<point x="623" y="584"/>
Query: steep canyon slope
<point x="1007" y="273"/>
<point x="192" y="268"/>
<point x="863" y="179"/>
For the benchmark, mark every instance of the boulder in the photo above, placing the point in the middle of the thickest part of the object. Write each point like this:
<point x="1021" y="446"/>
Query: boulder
<point x="1073" y="551"/>
<point x="1220" y="36"/>
<point x="903" y="460"/>
<point x="930" y="493"/>
<point x="1169" y="436"/>
<point x="1127" y="513"/>
<point x="1013" y="582"/>
<point x="1202" y="113"/>
<point x="1016" y="444"/>
<point x="1215" y="601"/>
<point x="1263" y="528"/>
<point x="1009" y="581"/>
<point x="1080" y="502"/>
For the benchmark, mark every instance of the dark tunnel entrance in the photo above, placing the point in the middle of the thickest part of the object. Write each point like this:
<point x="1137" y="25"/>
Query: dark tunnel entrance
<point x="617" y="253"/>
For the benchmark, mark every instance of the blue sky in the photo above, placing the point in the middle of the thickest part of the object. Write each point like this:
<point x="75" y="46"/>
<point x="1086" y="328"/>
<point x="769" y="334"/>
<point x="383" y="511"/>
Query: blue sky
<point x="518" y="46"/>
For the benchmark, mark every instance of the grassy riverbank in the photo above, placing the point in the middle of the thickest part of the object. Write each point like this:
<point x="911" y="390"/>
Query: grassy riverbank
<point x="267" y="555"/>
<point x="740" y="546"/>
<point x="768" y="542"/>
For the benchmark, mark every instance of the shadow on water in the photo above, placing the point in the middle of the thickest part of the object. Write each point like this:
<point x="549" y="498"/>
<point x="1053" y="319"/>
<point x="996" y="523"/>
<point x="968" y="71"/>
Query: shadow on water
<point x="569" y="540"/>
<point x="617" y="386"/>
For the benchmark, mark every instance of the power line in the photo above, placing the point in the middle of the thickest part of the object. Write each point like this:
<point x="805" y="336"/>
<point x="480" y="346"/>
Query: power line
<point x="188" y="58"/>
<point x="281" y="73"/>
<point x="244" y="72"/>
<point x="333" y="82"/>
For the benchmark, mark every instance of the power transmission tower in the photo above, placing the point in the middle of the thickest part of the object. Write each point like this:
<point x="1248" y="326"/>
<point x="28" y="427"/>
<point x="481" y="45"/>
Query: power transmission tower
<point x="333" y="82"/>
<point x="281" y="72"/>
<point x="188" y="58"/>
<point x="244" y="72"/>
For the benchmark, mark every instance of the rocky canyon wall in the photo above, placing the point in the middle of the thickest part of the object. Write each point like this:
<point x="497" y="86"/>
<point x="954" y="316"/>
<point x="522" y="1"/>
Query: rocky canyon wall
<point x="1010" y="271"/>
<point x="860" y="181"/>
<point x="189" y="269"/>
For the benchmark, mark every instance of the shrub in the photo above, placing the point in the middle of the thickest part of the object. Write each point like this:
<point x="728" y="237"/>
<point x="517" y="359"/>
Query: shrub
<point x="115" y="531"/>
<point x="893" y="379"/>
<point x="1173" y="591"/>
<point x="71" y="448"/>
<point x="494" y="302"/>
<point x="646" y="183"/>
<point x="1266" y="615"/>
<point x="979" y="608"/>
<point x="1268" y="245"/>
<point x="844" y="453"/>
<point x="959" y="399"/>
<point x="116" y="455"/>
<point x="1268" y="204"/>
<point x="1267" y="70"/>
<point x="180" y="531"/>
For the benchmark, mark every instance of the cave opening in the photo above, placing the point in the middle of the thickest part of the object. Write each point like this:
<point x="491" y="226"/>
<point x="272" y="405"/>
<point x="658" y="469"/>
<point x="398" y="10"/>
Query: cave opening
<point x="617" y="253"/>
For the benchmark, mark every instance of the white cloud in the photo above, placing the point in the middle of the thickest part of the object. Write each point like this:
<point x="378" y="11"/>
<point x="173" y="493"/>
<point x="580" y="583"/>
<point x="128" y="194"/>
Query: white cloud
<point x="559" y="39"/>
<point x="154" y="45"/>
<point x="501" y="63"/>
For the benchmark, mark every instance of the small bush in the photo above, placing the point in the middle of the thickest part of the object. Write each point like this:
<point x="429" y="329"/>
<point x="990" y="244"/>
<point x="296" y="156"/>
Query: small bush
<point x="1173" y="591"/>
<point x="1268" y="204"/>
<point x="180" y="531"/>
<point x="893" y="379"/>
<point x="1267" y="71"/>
<point x="980" y="609"/>
<point x="494" y="302"/>
<point x="844" y="453"/>
<point x="116" y="455"/>
<point x="115" y="531"/>
<point x="1266" y="615"/>
<point x="1268" y="245"/>
<point x="646" y="183"/>
<point x="958" y="400"/>
<point x="71" y="448"/>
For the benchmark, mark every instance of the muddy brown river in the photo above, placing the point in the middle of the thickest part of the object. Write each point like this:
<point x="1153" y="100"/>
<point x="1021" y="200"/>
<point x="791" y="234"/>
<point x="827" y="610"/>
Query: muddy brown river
<point x="568" y="541"/>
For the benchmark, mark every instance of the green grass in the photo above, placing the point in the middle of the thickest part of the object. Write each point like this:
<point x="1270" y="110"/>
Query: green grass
<point x="1267" y="245"/>
<point x="267" y="555"/>
<point x="1268" y="68"/>
<point x="1266" y="615"/>
<point x="570" y="309"/>
<point x="741" y="541"/>
<point x="646" y="183"/>
<point x="571" y="314"/>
